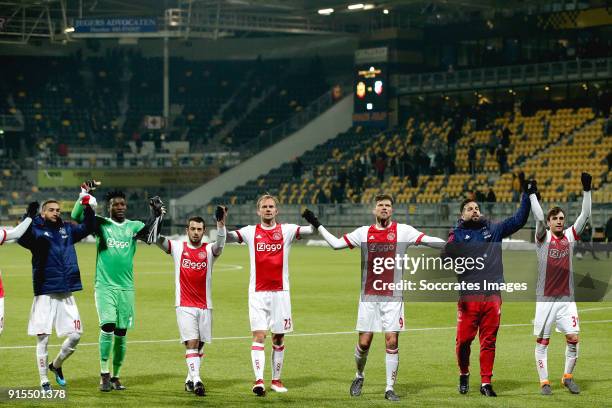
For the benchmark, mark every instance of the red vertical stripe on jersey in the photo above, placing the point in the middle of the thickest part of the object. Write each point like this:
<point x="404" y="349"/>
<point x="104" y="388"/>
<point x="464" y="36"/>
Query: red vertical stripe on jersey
<point x="269" y="248"/>
<point x="169" y="245"/>
<point x="192" y="278"/>
<point x="4" y="237"/>
<point x="381" y="244"/>
<point x="557" y="267"/>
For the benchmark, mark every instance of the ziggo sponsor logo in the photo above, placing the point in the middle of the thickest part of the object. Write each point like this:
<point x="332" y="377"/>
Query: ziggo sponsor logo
<point x="264" y="247"/>
<point x="112" y="243"/>
<point x="189" y="264"/>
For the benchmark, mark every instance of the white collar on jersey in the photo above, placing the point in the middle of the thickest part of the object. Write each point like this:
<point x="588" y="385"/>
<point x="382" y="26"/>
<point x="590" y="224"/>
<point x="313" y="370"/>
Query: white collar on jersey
<point x="267" y="228"/>
<point x="382" y="229"/>
<point x="193" y="247"/>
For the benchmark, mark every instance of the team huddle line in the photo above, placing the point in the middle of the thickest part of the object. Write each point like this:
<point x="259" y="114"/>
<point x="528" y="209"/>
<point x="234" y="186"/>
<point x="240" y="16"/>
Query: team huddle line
<point x="56" y="275"/>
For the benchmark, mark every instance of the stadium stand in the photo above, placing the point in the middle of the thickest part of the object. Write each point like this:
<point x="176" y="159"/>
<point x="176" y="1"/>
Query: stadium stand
<point x="416" y="163"/>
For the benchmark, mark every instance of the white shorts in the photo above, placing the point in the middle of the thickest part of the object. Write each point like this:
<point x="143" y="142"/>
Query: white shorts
<point x="563" y="314"/>
<point x="270" y="311"/>
<point x="1" y="314"/>
<point x="194" y="323"/>
<point x="57" y="308"/>
<point x="380" y="317"/>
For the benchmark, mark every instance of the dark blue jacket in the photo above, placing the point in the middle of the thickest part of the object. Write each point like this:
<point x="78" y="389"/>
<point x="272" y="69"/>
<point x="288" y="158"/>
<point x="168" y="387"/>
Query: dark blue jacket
<point x="483" y="239"/>
<point x="54" y="261"/>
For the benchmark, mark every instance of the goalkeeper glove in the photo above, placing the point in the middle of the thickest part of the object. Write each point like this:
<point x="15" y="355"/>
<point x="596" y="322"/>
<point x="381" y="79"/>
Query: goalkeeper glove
<point x="157" y="206"/>
<point x="220" y="212"/>
<point x="311" y="218"/>
<point x="586" y="179"/>
<point x="32" y="210"/>
<point x="89" y="186"/>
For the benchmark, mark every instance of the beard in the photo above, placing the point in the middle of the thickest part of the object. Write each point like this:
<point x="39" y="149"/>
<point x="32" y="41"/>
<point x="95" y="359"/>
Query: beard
<point x="474" y="224"/>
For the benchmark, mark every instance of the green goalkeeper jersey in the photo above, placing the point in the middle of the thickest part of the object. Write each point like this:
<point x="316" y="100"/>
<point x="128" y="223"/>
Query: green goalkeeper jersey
<point x="116" y="247"/>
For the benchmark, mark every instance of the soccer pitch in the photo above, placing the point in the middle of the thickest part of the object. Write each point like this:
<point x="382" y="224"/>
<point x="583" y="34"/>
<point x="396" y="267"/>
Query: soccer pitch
<point x="319" y="362"/>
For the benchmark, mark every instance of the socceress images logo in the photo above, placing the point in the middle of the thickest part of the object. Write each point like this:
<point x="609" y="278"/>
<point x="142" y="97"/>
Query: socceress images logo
<point x="265" y="247"/>
<point x="112" y="243"/>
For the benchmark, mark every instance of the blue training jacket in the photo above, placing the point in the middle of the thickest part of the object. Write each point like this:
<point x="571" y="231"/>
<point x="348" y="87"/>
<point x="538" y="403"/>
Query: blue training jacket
<point x="54" y="261"/>
<point x="483" y="239"/>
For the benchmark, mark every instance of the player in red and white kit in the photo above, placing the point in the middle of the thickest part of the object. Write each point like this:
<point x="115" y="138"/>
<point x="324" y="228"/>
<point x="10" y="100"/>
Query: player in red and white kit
<point x="380" y="309"/>
<point x="193" y="268"/>
<point x="555" y="288"/>
<point x="269" y="302"/>
<point x="14" y="233"/>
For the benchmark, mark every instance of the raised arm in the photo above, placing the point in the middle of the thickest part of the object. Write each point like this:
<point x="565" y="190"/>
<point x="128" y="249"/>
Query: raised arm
<point x="331" y="239"/>
<point x="221" y="217"/>
<point x="432" y="242"/>
<point x="232" y="236"/>
<point x="585" y="214"/>
<point x="150" y="231"/>
<point x="306" y="230"/>
<point x="514" y="223"/>
<point x="22" y="227"/>
<point x="88" y="225"/>
<point x="163" y="243"/>
<point x="27" y="238"/>
<point x="538" y="214"/>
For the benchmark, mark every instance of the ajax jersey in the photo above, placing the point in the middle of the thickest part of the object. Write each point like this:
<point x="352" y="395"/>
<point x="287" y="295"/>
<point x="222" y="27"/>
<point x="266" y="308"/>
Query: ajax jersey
<point x="192" y="274"/>
<point x="269" y="254"/>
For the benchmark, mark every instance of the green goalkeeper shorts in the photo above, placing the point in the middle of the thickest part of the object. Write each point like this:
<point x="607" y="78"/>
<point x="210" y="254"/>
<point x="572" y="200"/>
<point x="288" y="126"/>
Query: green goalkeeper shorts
<point x="115" y="306"/>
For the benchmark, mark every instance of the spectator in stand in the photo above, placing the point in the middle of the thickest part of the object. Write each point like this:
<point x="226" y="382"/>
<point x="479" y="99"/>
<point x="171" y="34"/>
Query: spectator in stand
<point x="322" y="197"/>
<point x="472" y="159"/>
<point x="380" y="165"/>
<point x="502" y="159"/>
<point x="517" y="185"/>
<point x="490" y="199"/>
<point x="297" y="167"/>
<point x="505" y="141"/>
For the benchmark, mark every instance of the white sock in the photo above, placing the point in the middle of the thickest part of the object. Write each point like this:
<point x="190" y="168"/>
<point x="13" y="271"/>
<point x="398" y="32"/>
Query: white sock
<point x="541" y="357"/>
<point x="68" y="347"/>
<point x="361" y="357"/>
<point x="258" y="358"/>
<point x="571" y="355"/>
<point x="392" y="363"/>
<point x="42" y="357"/>
<point x="278" y="354"/>
<point x="192" y="358"/>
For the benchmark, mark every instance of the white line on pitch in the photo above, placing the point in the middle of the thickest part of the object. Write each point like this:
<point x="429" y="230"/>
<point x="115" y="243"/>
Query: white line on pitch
<point x="592" y="309"/>
<point x="290" y="335"/>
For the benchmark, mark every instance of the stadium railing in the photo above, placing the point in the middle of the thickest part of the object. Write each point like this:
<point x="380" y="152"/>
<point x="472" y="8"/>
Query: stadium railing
<point x="516" y="75"/>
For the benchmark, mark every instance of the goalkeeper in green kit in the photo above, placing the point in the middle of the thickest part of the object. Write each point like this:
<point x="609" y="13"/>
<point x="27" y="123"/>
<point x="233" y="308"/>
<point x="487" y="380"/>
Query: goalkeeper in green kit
<point x="114" y="282"/>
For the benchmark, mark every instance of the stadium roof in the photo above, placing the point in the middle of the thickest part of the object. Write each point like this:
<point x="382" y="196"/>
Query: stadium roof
<point x="21" y="20"/>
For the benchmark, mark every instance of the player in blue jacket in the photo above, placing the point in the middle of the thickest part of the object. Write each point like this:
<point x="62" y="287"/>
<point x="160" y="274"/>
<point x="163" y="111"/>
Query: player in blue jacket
<point x="55" y="275"/>
<point x="479" y="309"/>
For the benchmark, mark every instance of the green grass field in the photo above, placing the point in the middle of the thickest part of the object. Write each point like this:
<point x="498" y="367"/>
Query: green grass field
<point x="319" y="364"/>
